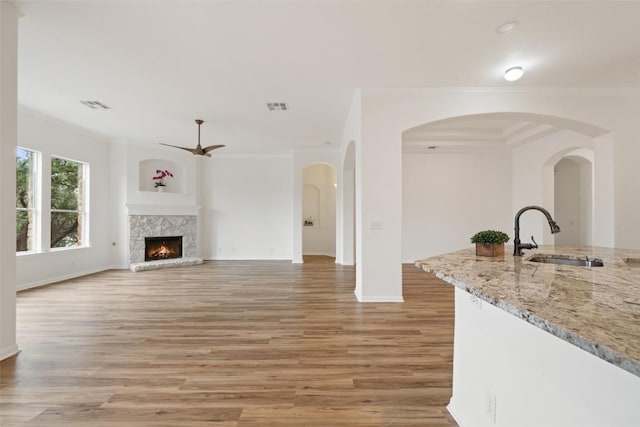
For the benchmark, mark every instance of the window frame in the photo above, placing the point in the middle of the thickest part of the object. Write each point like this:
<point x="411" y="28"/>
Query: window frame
<point x="35" y="239"/>
<point x="82" y="211"/>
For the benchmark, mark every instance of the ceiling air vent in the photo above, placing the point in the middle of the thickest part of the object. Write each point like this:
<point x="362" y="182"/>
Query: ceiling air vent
<point x="277" y="106"/>
<point x="95" y="105"/>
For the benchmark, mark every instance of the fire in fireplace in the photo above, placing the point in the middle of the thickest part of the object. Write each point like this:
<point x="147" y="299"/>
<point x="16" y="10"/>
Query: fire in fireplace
<point x="166" y="247"/>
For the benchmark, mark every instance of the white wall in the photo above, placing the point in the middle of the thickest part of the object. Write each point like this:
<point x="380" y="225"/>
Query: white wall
<point x="378" y="206"/>
<point x="119" y="223"/>
<point x="133" y="192"/>
<point x="448" y="197"/>
<point x="536" y="379"/>
<point x="586" y="200"/>
<point x="180" y="191"/>
<point x="626" y="158"/>
<point x="385" y="114"/>
<point x="533" y="184"/>
<point x="247" y="212"/>
<point x="301" y="160"/>
<point x="567" y="201"/>
<point x="53" y="138"/>
<point x="319" y="239"/>
<point x="8" y="137"/>
<point x="346" y="227"/>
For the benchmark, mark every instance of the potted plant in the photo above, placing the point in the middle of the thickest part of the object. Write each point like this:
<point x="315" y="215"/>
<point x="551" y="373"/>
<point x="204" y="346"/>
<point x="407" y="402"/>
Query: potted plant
<point x="490" y="242"/>
<point x="158" y="180"/>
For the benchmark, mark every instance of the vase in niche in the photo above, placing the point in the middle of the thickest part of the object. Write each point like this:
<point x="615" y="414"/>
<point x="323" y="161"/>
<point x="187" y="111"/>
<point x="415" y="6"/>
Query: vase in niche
<point x="161" y="188"/>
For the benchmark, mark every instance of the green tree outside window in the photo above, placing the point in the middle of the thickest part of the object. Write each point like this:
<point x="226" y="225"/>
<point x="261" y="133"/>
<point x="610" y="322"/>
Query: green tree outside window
<point x="25" y="199"/>
<point x="67" y="202"/>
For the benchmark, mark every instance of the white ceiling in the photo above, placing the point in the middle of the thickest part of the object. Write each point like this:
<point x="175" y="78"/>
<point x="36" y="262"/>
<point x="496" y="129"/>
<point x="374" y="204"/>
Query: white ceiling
<point x="160" y="65"/>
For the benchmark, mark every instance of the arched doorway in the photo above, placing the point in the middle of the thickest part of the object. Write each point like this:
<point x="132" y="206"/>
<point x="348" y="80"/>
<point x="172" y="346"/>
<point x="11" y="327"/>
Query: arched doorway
<point x="319" y="210"/>
<point x="468" y="173"/>
<point x="348" y="197"/>
<point x="573" y="200"/>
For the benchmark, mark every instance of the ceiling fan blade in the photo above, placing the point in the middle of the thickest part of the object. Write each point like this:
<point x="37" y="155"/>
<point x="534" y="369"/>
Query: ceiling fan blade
<point x="212" y="147"/>
<point x="176" y="146"/>
<point x="198" y="151"/>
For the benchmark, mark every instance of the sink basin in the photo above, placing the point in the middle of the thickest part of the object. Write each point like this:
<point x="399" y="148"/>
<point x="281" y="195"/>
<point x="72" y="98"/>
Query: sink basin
<point x="567" y="260"/>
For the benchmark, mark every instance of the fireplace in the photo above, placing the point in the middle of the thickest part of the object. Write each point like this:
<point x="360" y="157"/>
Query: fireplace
<point x="166" y="247"/>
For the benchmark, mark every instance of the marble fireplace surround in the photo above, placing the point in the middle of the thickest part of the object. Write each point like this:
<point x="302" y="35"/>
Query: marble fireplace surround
<point x="157" y="225"/>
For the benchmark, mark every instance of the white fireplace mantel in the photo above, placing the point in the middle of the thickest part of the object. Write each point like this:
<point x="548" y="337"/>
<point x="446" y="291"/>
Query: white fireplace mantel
<point x="146" y="209"/>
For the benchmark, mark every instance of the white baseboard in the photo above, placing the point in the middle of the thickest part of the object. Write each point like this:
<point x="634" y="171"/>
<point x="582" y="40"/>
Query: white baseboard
<point x="240" y="258"/>
<point x="9" y="351"/>
<point x="379" y="299"/>
<point x="117" y="267"/>
<point x="453" y="414"/>
<point x="48" y="281"/>
<point x="319" y="254"/>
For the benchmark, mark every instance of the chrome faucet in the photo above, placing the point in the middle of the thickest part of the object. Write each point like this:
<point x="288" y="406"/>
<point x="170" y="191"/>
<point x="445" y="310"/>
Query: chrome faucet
<point x="517" y="246"/>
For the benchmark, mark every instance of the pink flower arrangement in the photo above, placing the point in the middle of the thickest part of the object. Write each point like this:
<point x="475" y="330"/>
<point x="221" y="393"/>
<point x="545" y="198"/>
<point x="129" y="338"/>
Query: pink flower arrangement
<point x="160" y="176"/>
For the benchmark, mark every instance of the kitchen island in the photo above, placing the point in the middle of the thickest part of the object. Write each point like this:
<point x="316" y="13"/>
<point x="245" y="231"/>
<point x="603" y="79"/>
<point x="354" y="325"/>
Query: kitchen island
<point x="545" y="344"/>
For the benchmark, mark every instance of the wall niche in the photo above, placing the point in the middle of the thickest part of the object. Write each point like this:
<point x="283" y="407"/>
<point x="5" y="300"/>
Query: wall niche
<point x="150" y="168"/>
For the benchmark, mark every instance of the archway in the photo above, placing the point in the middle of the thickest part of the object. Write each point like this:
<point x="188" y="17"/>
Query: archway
<point x="319" y="210"/>
<point x="573" y="200"/>
<point x="468" y="173"/>
<point x="347" y="195"/>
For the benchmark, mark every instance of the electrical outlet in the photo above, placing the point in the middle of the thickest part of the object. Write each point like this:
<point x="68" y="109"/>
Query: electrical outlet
<point x="377" y="225"/>
<point x="490" y="405"/>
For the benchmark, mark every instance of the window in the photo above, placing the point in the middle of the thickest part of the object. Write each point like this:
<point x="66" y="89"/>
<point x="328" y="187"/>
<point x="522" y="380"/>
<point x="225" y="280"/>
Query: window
<point x="26" y="189"/>
<point x="69" y="213"/>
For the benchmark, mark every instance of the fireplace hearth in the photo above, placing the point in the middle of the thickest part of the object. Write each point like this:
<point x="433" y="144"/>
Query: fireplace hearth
<point x="164" y="247"/>
<point x="162" y="227"/>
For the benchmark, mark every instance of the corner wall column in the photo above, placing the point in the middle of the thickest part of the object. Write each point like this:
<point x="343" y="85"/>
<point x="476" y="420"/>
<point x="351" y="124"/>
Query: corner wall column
<point x="378" y="211"/>
<point x="8" y="141"/>
<point x="604" y="218"/>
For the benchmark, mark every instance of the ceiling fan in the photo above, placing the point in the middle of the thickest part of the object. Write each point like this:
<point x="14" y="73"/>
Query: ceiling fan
<point x="198" y="151"/>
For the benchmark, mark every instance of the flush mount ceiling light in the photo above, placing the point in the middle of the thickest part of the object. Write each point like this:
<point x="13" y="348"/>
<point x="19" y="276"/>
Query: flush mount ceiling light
<point x="507" y="27"/>
<point x="512" y="74"/>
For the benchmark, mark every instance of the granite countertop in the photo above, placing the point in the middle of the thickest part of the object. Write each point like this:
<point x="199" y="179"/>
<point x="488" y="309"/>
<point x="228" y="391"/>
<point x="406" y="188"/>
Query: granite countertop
<point x="596" y="309"/>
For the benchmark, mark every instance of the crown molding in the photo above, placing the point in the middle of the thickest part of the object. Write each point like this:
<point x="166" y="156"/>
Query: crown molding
<point x="591" y="91"/>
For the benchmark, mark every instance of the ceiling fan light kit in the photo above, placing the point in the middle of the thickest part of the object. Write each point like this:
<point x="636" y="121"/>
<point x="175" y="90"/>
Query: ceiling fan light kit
<point x="198" y="151"/>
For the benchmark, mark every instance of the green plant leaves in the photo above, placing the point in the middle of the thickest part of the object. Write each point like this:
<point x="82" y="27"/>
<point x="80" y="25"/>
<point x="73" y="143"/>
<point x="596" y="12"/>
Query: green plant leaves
<point x="488" y="237"/>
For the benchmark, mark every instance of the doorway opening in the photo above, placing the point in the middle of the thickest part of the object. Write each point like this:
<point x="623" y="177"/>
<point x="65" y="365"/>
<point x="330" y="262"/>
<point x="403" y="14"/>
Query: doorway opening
<point x="573" y="200"/>
<point x="319" y="210"/>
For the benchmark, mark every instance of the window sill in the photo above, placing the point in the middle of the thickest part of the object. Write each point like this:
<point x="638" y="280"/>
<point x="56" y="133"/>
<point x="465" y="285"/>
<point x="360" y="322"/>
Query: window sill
<point x="29" y="253"/>
<point x="70" y="248"/>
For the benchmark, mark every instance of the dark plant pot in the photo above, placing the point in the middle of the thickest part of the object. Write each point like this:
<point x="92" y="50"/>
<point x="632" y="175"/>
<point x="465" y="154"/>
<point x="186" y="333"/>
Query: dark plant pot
<point x="491" y="249"/>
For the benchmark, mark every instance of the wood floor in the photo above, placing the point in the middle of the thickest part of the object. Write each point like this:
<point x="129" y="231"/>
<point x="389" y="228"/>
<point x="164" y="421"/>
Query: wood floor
<point x="230" y="343"/>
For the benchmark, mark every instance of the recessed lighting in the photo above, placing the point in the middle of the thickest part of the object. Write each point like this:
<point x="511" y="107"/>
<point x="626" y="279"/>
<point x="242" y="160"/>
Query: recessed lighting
<point x="277" y="106"/>
<point x="514" y="73"/>
<point x="507" y="27"/>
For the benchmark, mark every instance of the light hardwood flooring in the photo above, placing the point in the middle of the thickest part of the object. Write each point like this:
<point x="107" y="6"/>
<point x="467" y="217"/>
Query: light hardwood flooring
<point x="230" y="343"/>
